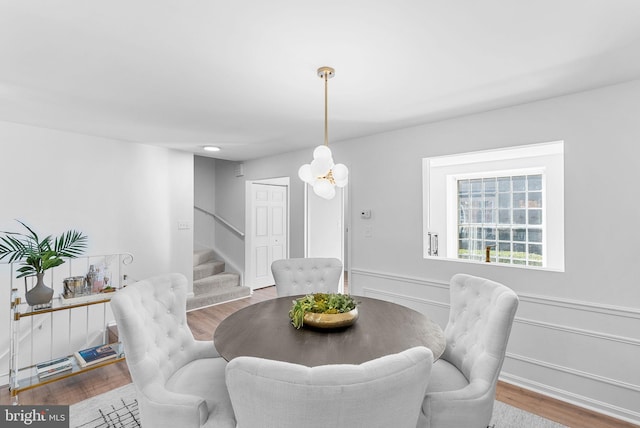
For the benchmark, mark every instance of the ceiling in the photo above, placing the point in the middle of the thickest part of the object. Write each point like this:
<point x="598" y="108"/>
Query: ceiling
<point x="241" y="74"/>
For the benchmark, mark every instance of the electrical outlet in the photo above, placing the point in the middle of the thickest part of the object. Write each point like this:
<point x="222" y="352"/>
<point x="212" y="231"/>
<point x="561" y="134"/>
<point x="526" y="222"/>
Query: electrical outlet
<point x="184" y="225"/>
<point x="366" y="214"/>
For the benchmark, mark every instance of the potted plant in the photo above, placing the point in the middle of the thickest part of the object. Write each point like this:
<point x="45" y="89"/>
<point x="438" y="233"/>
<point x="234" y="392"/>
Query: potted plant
<point x="37" y="255"/>
<point x="324" y="310"/>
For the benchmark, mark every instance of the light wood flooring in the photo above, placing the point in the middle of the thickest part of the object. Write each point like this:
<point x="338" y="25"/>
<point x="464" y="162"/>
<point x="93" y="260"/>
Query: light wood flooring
<point x="203" y="322"/>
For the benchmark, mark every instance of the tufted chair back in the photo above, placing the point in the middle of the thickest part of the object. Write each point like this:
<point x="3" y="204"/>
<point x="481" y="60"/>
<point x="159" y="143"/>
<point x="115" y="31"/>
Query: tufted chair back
<point x="156" y="310"/>
<point x="385" y="392"/>
<point x="462" y="388"/>
<point x="306" y="275"/>
<point x="479" y="326"/>
<point x="174" y="375"/>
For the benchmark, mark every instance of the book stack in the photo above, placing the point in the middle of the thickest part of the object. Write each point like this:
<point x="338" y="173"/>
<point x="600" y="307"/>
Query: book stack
<point x="97" y="354"/>
<point x="53" y="367"/>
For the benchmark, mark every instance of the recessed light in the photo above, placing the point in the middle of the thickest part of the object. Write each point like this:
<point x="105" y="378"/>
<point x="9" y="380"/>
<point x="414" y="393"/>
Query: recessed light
<point x="212" y="148"/>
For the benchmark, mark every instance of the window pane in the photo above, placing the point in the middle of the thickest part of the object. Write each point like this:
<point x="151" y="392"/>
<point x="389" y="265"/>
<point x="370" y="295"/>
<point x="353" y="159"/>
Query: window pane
<point x="490" y="216"/>
<point x="535" y="235"/>
<point x="535" y="249"/>
<point x="534" y="182"/>
<point x="489" y="185"/>
<point x="504" y="248"/>
<point x="519" y="250"/>
<point x="504" y="200"/>
<point x="504" y="216"/>
<point x="519" y="183"/>
<point x="477" y="233"/>
<point x="489" y="234"/>
<point x="504" y="184"/>
<point x="520" y="235"/>
<point x="519" y="216"/>
<point x="463" y="187"/>
<point x="519" y="200"/>
<point x="504" y="234"/>
<point x="535" y="200"/>
<point x="476" y="187"/>
<point x="535" y="217"/>
<point x="489" y="201"/>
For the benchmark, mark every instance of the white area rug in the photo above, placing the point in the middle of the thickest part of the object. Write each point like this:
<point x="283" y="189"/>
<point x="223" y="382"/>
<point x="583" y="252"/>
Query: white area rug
<point x="119" y="409"/>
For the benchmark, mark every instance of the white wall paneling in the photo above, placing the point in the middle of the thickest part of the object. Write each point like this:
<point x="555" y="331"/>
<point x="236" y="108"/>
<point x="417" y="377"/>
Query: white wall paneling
<point x="558" y="358"/>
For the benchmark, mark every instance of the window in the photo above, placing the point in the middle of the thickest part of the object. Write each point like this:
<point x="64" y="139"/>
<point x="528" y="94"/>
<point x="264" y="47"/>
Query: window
<point x="510" y="200"/>
<point x="503" y="214"/>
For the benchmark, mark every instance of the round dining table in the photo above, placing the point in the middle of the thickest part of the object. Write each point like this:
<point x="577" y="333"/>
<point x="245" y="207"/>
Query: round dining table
<point x="264" y="330"/>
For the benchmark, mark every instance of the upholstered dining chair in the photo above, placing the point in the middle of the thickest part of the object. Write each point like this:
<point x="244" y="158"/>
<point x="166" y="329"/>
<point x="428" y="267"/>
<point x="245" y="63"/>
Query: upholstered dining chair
<point x="463" y="381"/>
<point x="385" y="392"/>
<point x="179" y="381"/>
<point x="306" y="275"/>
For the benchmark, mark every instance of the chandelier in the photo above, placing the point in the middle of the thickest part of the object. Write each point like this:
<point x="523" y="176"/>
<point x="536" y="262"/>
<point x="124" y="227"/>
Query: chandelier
<point x="322" y="174"/>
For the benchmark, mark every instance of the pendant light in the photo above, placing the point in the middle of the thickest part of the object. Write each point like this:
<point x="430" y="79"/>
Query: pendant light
<point x="322" y="173"/>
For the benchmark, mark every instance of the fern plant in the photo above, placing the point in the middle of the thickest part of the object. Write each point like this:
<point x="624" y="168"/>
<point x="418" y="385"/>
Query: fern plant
<point x="37" y="255"/>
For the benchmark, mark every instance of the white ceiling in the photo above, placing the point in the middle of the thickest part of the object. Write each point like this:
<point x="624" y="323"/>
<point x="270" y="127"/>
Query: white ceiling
<point x="242" y="74"/>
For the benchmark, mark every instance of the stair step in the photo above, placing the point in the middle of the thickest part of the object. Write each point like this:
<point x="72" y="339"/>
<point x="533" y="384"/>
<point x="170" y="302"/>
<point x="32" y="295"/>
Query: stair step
<point x="219" y="295"/>
<point x="221" y="280"/>
<point x="211" y="284"/>
<point x="204" y="270"/>
<point x="203" y="256"/>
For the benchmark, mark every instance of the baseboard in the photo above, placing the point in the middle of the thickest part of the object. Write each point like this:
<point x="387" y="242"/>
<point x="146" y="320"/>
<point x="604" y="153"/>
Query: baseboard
<point x="547" y="393"/>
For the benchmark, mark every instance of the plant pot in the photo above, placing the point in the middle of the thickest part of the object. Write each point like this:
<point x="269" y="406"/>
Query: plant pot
<point x="331" y="320"/>
<point x="40" y="294"/>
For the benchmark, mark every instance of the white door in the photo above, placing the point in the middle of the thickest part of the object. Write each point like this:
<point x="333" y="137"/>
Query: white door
<point x="268" y="229"/>
<point x="324" y="226"/>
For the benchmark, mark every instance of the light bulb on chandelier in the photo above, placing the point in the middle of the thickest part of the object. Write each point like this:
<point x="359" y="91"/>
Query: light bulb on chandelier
<point x="322" y="173"/>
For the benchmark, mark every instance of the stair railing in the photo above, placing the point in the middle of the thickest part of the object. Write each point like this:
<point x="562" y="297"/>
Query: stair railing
<point x="222" y="221"/>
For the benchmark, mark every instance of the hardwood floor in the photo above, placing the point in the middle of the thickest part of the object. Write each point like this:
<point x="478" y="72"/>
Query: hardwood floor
<point x="203" y="322"/>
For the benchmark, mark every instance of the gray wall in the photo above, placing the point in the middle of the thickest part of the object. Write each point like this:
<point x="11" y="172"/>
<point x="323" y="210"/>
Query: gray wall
<point x="230" y="200"/>
<point x="577" y="333"/>
<point x="204" y="197"/>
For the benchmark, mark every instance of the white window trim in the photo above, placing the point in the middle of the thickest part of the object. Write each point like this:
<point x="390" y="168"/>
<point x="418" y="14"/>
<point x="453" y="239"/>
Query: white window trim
<point x="434" y="223"/>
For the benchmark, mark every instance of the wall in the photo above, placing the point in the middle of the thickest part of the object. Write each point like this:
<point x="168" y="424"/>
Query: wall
<point x="230" y="200"/>
<point x="204" y="197"/>
<point x="125" y="197"/>
<point x="577" y="333"/>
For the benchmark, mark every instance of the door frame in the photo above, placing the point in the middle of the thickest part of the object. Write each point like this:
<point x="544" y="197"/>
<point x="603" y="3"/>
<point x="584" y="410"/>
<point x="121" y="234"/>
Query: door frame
<point x="345" y="238"/>
<point x="249" y="221"/>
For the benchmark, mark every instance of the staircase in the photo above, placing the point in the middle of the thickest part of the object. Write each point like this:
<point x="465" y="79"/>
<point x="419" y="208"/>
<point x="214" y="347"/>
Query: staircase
<point x="211" y="284"/>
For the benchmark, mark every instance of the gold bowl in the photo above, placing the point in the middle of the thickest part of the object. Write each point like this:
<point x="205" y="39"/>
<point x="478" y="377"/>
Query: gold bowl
<point x="331" y="320"/>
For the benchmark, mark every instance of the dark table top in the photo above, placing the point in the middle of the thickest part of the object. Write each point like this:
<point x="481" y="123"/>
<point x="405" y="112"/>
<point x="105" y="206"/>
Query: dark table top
<point x="265" y="330"/>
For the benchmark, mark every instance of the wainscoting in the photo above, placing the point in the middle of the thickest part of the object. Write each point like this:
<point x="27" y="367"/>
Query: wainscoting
<point x="579" y="352"/>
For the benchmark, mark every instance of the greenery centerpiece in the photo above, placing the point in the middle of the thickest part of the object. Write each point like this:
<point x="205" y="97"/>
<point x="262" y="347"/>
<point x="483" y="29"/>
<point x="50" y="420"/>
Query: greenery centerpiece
<point x="323" y="304"/>
<point x="36" y="255"/>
